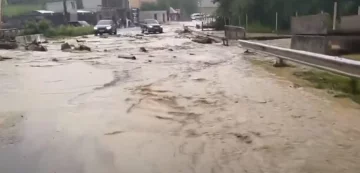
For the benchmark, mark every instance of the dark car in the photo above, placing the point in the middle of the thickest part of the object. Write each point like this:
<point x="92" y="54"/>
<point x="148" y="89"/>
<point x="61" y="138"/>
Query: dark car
<point x="105" y="26"/>
<point x="151" y="26"/>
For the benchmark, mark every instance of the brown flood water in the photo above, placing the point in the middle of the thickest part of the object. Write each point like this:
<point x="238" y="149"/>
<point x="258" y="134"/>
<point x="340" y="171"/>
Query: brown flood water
<point x="198" y="108"/>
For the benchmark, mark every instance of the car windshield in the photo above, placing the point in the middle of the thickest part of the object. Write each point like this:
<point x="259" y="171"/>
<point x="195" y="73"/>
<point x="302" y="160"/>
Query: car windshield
<point x="151" y="21"/>
<point x="104" y="22"/>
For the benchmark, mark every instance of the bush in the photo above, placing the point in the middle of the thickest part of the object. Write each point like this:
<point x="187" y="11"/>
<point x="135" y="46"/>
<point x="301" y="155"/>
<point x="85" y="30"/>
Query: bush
<point x="257" y="27"/>
<point x="66" y="30"/>
<point x="44" y="27"/>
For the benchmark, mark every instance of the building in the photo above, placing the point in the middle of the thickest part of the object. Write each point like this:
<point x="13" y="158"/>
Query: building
<point x="58" y="7"/>
<point x="160" y="16"/>
<point x="207" y="7"/>
<point x="174" y="14"/>
<point x="137" y="3"/>
<point x="108" y="9"/>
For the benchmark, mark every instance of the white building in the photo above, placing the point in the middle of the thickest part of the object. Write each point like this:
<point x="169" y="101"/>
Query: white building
<point x="160" y="16"/>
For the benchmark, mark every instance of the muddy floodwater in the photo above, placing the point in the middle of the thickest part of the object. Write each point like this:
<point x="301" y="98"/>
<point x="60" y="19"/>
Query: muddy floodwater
<point x="180" y="107"/>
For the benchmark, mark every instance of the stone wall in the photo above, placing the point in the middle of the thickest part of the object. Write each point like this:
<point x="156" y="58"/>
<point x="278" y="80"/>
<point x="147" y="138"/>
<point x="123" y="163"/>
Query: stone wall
<point x="328" y="45"/>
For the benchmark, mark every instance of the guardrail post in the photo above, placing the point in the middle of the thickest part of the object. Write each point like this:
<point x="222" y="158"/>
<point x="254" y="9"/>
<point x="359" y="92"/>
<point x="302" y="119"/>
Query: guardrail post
<point x="280" y="63"/>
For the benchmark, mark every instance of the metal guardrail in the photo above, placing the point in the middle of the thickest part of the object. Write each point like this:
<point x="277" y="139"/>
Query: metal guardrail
<point x="333" y="64"/>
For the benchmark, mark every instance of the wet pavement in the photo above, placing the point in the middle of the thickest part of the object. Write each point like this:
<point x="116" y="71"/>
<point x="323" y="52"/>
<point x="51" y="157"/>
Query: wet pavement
<point x="180" y="107"/>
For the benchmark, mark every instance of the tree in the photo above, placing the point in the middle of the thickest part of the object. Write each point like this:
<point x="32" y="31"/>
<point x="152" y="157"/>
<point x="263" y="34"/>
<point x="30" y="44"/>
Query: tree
<point x="187" y="6"/>
<point x="263" y="11"/>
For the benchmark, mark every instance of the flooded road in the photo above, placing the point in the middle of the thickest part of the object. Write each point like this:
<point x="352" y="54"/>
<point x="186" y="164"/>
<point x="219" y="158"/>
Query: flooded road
<point x="180" y="107"/>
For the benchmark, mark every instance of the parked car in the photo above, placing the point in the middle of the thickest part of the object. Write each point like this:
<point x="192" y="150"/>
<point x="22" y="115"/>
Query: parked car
<point x="79" y="24"/>
<point x="151" y="26"/>
<point x="197" y="16"/>
<point x="105" y="26"/>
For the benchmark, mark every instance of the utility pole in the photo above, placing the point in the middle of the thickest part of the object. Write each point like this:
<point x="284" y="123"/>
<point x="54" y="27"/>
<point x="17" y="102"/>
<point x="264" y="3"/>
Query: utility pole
<point x="1" y="12"/>
<point x="66" y="20"/>
<point x="335" y="15"/>
<point x="276" y="22"/>
<point x="246" y="21"/>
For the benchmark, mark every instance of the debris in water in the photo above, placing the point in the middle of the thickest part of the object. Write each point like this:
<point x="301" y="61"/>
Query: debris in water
<point x="55" y="60"/>
<point x="35" y="46"/>
<point x="132" y="57"/>
<point x="114" y="133"/>
<point x="8" y="45"/>
<point x="4" y="58"/>
<point x="202" y="40"/>
<point x="143" y="49"/>
<point x="170" y="50"/>
<point x="83" y="47"/>
<point x="80" y="41"/>
<point x="191" y="53"/>
<point x="163" y="118"/>
<point x="244" y="138"/>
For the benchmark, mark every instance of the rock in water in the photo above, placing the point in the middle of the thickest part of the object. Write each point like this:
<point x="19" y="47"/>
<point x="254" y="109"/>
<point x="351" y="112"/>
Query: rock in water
<point x="65" y="46"/>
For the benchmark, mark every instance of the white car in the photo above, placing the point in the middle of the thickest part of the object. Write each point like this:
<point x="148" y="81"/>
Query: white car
<point x="197" y="16"/>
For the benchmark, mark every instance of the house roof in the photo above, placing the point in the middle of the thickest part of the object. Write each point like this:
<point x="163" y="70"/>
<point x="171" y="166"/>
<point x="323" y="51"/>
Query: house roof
<point x="173" y="11"/>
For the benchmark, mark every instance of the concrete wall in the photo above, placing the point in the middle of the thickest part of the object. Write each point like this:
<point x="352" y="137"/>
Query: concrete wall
<point x="27" y="39"/>
<point x="235" y="32"/>
<point x="58" y="7"/>
<point x="350" y="24"/>
<point x="329" y="45"/>
<point x="311" y="25"/>
<point x="317" y="44"/>
<point x="160" y="15"/>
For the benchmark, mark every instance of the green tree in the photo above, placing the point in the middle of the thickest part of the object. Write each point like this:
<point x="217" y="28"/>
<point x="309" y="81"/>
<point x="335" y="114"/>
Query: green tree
<point x="263" y="11"/>
<point x="187" y="6"/>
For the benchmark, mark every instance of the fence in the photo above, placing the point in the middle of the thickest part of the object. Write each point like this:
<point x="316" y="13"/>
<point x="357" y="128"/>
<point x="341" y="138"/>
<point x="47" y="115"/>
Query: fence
<point x="333" y="64"/>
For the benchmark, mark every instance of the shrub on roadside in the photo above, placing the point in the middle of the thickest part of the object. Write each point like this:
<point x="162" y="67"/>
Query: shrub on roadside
<point x="257" y="27"/>
<point x="45" y="27"/>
